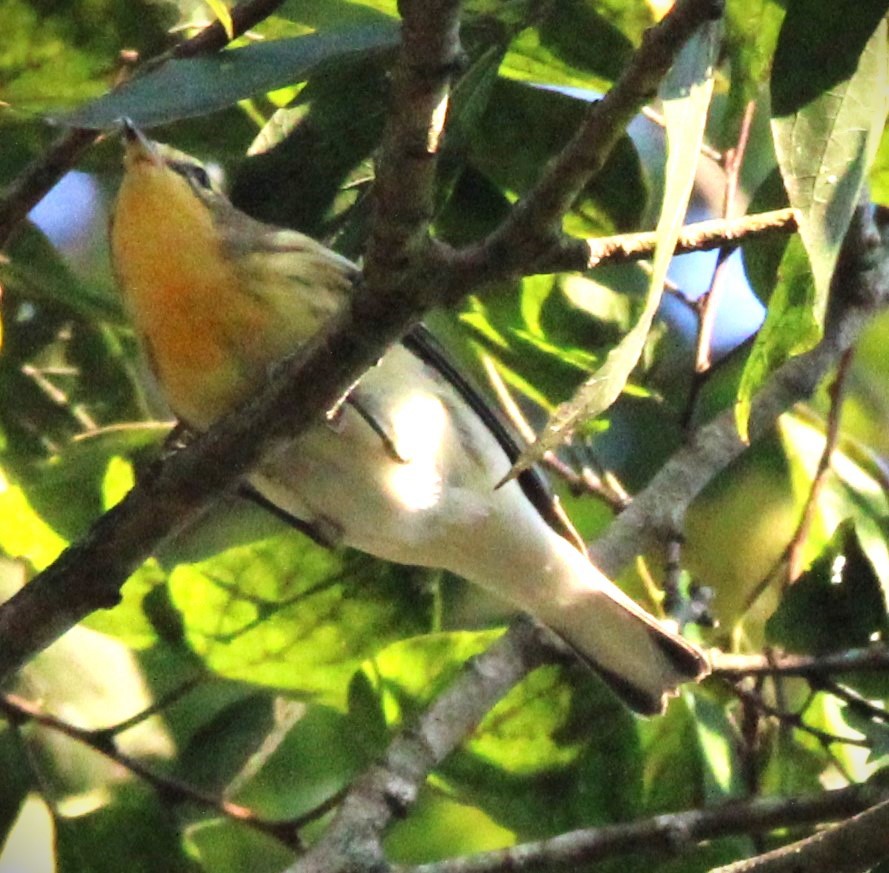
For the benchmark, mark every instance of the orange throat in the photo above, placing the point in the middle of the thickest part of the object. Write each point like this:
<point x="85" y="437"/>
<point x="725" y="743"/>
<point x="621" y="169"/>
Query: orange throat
<point x="184" y="295"/>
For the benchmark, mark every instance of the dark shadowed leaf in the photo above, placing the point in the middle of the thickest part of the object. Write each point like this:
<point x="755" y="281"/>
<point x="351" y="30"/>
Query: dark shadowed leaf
<point x="288" y="614"/>
<point x="196" y="86"/>
<point x="838" y="604"/>
<point x="751" y="33"/>
<point x="789" y="328"/>
<point x="574" y="45"/>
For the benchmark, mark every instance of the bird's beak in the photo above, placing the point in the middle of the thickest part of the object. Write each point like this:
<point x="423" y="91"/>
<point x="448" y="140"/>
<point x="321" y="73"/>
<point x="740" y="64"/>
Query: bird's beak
<point x="137" y="146"/>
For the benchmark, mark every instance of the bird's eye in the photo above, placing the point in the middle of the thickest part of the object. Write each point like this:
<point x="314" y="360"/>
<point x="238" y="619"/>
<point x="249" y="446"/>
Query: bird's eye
<point x="194" y="173"/>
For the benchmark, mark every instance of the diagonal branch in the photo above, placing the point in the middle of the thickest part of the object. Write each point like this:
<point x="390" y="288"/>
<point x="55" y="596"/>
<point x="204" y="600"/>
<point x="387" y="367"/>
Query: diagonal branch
<point x="666" y="835"/>
<point x="400" y="285"/>
<point x="389" y="788"/>
<point x="855" y="846"/>
<point x="532" y="231"/>
<point x="816" y="667"/>
<point x="573" y="254"/>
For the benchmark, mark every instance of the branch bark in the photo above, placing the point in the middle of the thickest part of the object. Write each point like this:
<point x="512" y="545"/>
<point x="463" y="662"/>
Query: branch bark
<point x="405" y="273"/>
<point x="668" y="834"/>
<point x="854" y="846"/>
<point x="734" y="667"/>
<point x="585" y="254"/>
<point x="861" y="290"/>
<point x="388" y="789"/>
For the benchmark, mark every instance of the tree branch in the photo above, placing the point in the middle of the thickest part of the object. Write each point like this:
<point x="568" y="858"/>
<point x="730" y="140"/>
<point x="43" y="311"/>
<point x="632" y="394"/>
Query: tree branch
<point x="700" y="236"/>
<point x="388" y="789"/>
<point x="668" y="834"/>
<point x="861" y="289"/>
<point x="19" y="710"/>
<point x="854" y="846"/>
<point x="531" y="233"/>
<point x="735" y="667"/>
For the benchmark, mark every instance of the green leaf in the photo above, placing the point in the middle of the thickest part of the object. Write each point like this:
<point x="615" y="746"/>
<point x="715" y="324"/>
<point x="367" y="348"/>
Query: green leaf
<point x="328" y="14"/>
<point x="309" y="149"/>
<point x="35" y="269"/>
<point x="762" y="255"/>
<point x="574" y="45"/>
<point x="58" y="54"/>
<point x="223" y="845"/>
<point x="288" y="614"/>
<point x="837" y="604"/>
<point x="686" y="101"/>
<point x="828" y="110"/>
<point x="524" y="126"/>
<point x="441" y="827"/>
<point x="532" y="765"/>
<point x="751" y="33"/>
<point x="879" y="175"/>
<point x="223" y="16"/>
<point x="789" y="328"/>
<point x="132" y="831"/>
<point x="197" y="86"/>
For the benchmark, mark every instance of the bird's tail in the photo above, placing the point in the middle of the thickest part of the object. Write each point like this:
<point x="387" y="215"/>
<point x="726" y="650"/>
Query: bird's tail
<point x="639" y="658"/>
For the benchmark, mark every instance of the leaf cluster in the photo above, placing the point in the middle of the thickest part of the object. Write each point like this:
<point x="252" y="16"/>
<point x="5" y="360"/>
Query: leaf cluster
<point x="247" y="667"/>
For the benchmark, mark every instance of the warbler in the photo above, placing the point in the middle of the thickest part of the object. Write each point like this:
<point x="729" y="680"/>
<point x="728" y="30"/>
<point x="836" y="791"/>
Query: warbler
<point x="406" y="469"/>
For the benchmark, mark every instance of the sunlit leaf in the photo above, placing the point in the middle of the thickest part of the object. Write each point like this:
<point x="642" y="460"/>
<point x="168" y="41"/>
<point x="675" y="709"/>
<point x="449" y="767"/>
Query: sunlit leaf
<point x="879" y="176"/>
<point x="287" y="614"/>
<point x="441" y="827"/>
<point x="223" y="16"/>
<point x="23" y="533"/>
<point x="789" y="328"/>
<point x="828" y="111"/>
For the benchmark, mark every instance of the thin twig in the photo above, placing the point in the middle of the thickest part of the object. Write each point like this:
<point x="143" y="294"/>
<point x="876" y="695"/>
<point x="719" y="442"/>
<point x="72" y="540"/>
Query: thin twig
<point x="796" y="720"/>
<point x="708" y="303"/>
<point x="19" y="710"/>
<point x="854" y="846"/>
<point x="794" y="551"/>
<point x="668" y="834"/>
<point x="735" y="667"/>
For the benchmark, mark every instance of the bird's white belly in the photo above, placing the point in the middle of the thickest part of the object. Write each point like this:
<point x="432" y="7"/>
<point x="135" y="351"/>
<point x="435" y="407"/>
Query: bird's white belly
<point x="402" y="489"/>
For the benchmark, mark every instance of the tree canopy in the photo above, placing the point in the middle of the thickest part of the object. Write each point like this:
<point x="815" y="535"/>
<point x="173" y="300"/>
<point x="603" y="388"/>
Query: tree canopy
<point x="191" y="685"/>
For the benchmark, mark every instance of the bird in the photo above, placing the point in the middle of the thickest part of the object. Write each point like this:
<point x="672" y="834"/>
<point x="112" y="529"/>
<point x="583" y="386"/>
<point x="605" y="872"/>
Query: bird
<point x="406" y="468"/>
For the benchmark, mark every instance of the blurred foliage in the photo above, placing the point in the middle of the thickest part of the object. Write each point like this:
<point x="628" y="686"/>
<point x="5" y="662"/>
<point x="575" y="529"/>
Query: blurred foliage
<point x="249" y="663"/>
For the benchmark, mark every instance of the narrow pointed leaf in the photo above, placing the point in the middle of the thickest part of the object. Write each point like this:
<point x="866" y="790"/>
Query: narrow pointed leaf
<point x="686" y="100"/>
<point x="220" y="10"/>
<point x="826" y="139"/>
<point x="197" y="86"/>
